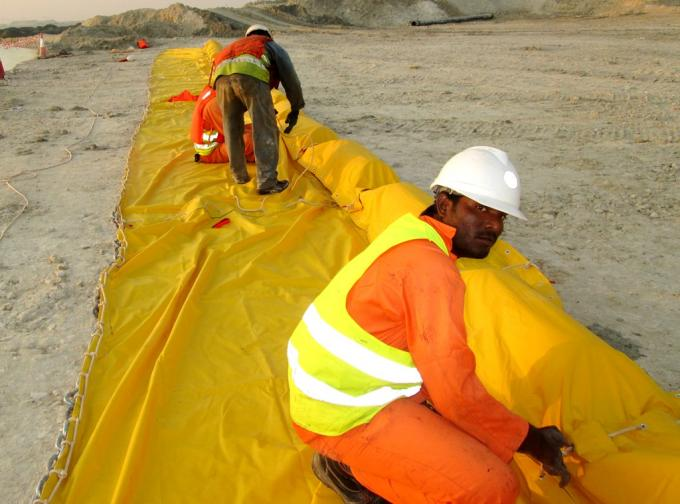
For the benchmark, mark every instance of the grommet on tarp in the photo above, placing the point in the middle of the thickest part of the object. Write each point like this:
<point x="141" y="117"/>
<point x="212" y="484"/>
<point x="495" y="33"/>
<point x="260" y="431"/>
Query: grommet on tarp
<point x="69" y="411"/>
<point x="221" y="223"/>
<point x="69" y="397"/>
<point x="52" y="461"/>
<point x="39" y="487"/>
<point x="59" y="441"/>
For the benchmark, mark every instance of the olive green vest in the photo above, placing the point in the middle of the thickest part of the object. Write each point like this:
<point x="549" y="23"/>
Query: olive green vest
<point x="341" y="376"/>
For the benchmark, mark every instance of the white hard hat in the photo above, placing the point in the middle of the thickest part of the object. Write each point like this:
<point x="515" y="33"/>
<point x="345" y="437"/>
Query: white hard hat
<point x="257" y="27"/>
<point x="483" y="174"/>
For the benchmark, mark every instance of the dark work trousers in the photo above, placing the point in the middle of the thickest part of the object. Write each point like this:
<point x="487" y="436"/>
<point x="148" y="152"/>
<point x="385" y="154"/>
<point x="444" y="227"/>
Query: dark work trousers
<point x="237" y="93"/>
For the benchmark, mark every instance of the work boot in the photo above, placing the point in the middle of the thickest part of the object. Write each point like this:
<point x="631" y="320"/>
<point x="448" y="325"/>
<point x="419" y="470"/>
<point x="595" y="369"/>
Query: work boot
<point x="242" y="181"/>
<point x="338" y="478"/>
<point x="276" y="188"/>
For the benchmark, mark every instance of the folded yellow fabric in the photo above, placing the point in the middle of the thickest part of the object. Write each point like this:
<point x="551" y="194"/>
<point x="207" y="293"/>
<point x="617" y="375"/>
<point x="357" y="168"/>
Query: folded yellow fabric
<point x="183" y="392"/>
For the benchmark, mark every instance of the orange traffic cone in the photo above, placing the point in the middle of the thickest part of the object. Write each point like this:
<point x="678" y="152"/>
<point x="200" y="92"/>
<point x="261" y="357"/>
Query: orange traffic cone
<point x="42" y="48"/>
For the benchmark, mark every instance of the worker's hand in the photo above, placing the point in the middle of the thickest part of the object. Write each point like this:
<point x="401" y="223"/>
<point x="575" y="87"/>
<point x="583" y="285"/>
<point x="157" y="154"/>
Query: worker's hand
<point x="291" y="120"/>
<point x="545" y="444"/>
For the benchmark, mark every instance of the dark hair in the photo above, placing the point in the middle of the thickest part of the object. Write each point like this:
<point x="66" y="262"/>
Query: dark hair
<point x="431" y="211"/>
<point x="453" y="196"/>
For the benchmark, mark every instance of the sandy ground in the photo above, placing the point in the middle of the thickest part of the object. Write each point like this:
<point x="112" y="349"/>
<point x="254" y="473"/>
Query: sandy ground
<point x="587" y="109"/>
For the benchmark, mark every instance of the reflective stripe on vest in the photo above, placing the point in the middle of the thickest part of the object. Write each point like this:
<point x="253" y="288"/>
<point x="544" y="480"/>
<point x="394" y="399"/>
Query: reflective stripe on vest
<point x="340" y="376"/>
<point x="321" y="391"/>
<point x="209" y="143"/>
<point x="356" y="354"/>
<point x="245" y="64"/>
<point x="247" y="56"/>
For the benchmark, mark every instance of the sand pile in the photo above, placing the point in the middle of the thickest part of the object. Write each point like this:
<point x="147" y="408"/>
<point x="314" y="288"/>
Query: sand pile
<point x="383" y="13"/>
<point x="373" y="13"/>
<point x="177" y="20"/>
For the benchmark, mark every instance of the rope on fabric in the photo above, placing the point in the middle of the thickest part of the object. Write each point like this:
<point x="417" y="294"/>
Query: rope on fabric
<point x="625" y="430"/>
<point x="261" y="210"/>
<point x="75" y="399"/>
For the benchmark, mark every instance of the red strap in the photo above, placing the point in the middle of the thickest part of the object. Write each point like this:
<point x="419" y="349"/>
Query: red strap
<point x="221" y="223"/>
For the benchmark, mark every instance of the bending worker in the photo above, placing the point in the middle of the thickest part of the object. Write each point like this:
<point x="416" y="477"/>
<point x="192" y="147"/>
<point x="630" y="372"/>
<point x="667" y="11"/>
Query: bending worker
<point x="207" y="131"/>
<point x="382" y="381"/>
<point x="243" y="74"/>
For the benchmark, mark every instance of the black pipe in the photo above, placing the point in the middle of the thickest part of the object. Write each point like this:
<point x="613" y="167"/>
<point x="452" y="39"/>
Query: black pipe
<point x="459" y="19"/>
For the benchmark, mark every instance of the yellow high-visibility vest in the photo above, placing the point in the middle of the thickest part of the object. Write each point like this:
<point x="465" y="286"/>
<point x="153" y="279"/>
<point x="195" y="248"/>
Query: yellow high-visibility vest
<point x="341" y="376"/>
<point x="245" y="56"/>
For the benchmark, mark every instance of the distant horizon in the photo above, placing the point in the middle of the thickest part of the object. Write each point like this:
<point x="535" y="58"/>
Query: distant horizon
<point x="37" y="11"/>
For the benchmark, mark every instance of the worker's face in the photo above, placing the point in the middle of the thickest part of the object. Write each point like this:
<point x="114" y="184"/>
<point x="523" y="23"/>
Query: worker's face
<point x="477" y="226"/>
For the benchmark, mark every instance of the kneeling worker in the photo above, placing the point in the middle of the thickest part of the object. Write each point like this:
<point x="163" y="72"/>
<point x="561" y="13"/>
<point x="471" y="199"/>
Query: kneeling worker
<point x="382" y="381"/>
<point x="244" y="72"/>
<point x="207" y="131"/>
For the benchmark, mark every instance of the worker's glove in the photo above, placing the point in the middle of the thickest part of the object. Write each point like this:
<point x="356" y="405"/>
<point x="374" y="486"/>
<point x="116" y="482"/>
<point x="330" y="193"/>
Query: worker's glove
<point x="291" y="120"/>
<point x="546" y="445"/>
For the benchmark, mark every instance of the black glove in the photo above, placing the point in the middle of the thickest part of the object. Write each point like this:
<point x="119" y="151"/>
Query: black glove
<point x="545" y="445"/>
<point x="291" y="120"/>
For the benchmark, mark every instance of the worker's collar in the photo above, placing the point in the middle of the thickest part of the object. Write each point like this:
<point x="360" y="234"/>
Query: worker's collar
<point x="445" y="231"/>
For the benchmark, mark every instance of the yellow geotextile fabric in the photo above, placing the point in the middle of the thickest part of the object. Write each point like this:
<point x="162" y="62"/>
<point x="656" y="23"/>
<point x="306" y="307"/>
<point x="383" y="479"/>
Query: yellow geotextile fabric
<point x="183" y="393"/>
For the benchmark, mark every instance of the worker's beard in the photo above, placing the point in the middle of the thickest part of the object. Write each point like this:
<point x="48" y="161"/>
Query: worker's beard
<point x="474" y="245"/>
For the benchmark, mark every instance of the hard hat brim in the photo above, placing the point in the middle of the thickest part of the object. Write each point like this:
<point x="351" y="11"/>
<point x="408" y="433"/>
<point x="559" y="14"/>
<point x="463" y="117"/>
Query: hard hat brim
<point x="501" y="206"/>
<point x="487" y="201"/>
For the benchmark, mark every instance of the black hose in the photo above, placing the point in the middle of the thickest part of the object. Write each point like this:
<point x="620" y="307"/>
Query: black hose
<point x="459" y="19"/>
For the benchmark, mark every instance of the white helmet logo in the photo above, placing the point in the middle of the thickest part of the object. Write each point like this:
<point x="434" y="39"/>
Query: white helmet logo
<point x="510" y="179"/>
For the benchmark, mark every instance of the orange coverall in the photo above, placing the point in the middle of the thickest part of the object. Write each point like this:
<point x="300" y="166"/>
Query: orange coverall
<point x="412" y="297"/>
<point x="212" y="119"/>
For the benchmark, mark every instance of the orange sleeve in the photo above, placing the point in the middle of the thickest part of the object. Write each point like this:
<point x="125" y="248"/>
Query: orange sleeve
<point x="212" y="116"/>
<point x="433" y="294"/>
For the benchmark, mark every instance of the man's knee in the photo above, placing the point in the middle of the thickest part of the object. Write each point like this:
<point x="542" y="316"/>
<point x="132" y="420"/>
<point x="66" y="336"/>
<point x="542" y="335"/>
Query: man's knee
<point x="500" y="486"/>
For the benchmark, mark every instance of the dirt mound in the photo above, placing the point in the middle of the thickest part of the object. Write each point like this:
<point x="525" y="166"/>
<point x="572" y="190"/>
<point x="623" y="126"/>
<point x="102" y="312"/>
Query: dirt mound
<point x="27" y="31"/>
<point x="177" y="20"/>
<point x="358" y="12"/>
<point x="400" y="12"/>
